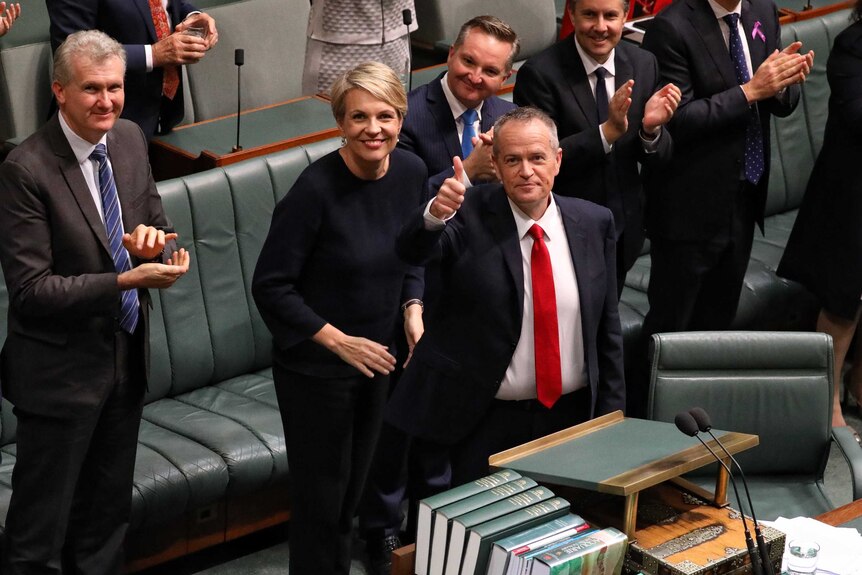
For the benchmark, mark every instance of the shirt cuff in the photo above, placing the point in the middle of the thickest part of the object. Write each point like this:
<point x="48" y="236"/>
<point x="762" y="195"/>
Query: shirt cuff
<point x="148" y="55"/>
<point x="650" y="146"/>
<point x="432" y="222"/>
<point x="605" y="144"/>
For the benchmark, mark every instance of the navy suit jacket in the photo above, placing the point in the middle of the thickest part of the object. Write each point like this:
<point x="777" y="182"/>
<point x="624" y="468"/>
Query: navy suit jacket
<point x="430" y="132"/>
<point x="472" y="332"/>
<point x="555" y="81"/>
<point x="130" y="22"/>
<point x="698" y="187"/>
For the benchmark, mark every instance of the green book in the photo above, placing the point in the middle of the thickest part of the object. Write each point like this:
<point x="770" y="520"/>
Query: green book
<point x="462" y="524"/>
<point x="482" y="536"/>
<point x="525" y="561"/>
<point x="505" y="552"/>
<point x="599" y="553"/>
<point x="444" y="516"/>
<point x="429" y="505"/>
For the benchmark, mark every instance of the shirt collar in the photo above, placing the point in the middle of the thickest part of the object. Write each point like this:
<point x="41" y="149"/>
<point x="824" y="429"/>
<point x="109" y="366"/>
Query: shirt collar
<point x="80" y="147"/>
<point x="721" y="12"/>
<point x="590" y="64"/>
<point x="548" y="222"/>
<point x="455" y="104"/>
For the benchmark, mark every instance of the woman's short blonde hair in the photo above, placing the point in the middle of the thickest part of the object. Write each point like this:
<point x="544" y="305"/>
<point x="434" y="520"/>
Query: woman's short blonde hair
<point x="377" y="79"/>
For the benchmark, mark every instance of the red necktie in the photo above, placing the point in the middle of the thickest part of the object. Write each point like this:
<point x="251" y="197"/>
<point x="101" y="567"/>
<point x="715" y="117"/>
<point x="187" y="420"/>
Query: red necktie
<point x="549" y="377"/>
<point x="171" y="74"/>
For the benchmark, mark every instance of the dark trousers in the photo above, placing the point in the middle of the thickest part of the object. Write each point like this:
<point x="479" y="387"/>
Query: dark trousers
<point x="403" y="466"/>
<point x="695" y="285"/>
<point x="508" y="424"/>
<point x="72" y="482"/>
<point x="331" y="428"/>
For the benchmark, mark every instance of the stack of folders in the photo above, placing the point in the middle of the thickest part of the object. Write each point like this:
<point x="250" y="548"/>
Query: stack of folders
<point x="505" y="524"/>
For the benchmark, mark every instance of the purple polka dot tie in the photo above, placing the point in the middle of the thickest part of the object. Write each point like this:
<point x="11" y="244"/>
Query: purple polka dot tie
<point x="754" y="161"/>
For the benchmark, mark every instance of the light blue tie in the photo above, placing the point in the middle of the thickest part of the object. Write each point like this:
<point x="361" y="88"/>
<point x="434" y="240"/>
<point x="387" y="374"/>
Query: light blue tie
<point x="468" y="118"/>
<point x="754" y="162"/>
<point x="129" y="304"/>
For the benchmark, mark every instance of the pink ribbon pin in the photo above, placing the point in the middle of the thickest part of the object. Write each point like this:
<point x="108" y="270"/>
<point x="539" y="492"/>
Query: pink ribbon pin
<point x="757" y="32"/>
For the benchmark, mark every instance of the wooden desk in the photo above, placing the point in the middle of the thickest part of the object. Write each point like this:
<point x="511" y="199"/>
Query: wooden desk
<point x="626" y="467"/>
<point x="206" y="145"/>
<point x="844" y="516"/>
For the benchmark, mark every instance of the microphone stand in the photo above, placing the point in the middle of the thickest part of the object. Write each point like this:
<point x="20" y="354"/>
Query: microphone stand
<point x="239" y="60"/>
<point x="681" y="423"/>
<point x="702" y="419"/>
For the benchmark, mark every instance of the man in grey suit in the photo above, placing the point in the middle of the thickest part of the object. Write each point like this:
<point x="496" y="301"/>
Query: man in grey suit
<point x="84" y="237"/>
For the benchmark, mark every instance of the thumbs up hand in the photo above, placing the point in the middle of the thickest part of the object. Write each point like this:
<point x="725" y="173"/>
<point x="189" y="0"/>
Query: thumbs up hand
<point x="451" y="194"/>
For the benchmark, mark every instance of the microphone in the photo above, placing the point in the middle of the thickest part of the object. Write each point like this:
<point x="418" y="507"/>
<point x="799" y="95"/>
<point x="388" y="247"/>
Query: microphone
<point x="686" y="423"/>
<point x="701" y="418"/>
<point x="407" y="17"/>
<point x="238" y="60"/>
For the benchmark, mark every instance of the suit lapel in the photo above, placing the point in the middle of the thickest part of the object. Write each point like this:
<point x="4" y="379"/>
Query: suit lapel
<point x="505" y="234"/>
<point x="580" y="84"/>
<point x="756" y="47"/>
<point x="489" y="114"/>
<point x="703" y="20"/>
<point x="147" y="16"/>
<point x="122" y="170"/>
<point x="442" y="114"/>
<point x="579" y="248"/>
<point x="71" y="171"/>
<point x="623" y="70"/>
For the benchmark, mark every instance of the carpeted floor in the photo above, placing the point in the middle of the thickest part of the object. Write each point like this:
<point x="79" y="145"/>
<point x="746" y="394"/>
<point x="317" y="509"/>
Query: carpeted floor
<point x="266" y="553"/>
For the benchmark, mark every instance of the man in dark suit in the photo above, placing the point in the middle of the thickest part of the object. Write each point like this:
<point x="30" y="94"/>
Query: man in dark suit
<point x="608" y="128"/>
<point x="154" y="55"/>
<point x="479" y="62"/>
<point x="525" y="338"/>
<point x="724" y="56"/>
<point x="74" y="363"/>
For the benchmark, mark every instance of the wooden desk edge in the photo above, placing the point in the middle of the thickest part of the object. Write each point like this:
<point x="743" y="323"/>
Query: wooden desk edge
<point x="842" y="515"/>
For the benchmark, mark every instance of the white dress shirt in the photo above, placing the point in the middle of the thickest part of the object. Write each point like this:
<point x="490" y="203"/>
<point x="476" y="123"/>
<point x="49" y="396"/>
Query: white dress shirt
<point x="520" y="379"/>
<point x="82" y="150"/>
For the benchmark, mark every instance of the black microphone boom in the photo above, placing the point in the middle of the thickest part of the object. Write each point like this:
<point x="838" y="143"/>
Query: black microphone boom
<point x="702" y="419"/>
<point x="238" y="60"/>
<point x="686" y="423"/>
<point x="407" y="16"/>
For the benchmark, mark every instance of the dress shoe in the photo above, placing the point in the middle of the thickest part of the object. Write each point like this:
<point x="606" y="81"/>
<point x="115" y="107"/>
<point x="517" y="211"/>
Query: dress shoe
<point x="380" y="554"/>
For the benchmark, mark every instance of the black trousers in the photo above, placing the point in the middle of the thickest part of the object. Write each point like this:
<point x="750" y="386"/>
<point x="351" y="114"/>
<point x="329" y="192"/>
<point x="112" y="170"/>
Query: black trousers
<point x="72" y="482"/>
<point x="508" y="424"/>
<point x="694" y="285"/>
<point x="404" y="467"/>
<point x="331" y="427"/>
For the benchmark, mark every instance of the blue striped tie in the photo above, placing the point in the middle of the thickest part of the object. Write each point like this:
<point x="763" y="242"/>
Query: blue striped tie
<point x="114" y="226"/>
<point x="754" y="162"/>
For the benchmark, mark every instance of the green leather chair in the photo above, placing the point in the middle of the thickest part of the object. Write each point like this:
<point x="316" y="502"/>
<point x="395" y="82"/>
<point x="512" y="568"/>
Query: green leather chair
<point x="777" y="385"/>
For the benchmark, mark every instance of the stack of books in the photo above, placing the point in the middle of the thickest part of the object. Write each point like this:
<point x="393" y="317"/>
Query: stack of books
<point x="505" y="524"/>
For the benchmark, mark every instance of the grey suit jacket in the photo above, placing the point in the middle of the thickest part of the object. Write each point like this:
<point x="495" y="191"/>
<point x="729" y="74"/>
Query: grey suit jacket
<point x="64" y="303"/>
